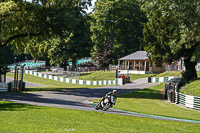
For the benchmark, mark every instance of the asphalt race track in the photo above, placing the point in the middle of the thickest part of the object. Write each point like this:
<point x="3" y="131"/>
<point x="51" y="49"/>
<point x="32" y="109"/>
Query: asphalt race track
<point x="79" y="99"/>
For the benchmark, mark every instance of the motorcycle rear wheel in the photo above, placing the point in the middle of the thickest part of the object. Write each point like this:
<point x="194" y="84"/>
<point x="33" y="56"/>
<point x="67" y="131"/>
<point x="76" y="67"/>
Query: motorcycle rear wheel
<point x="106" y="107"/>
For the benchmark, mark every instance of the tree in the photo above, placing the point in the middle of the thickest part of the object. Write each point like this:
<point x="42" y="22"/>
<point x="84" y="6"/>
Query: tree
<point x="119" y="22"/>
<point x="172" y="32"/>
<point x="30" y="24"/>
<point x="22" y="21"/>
<point x="72" y="45"/>
<point x="103" y="55"/>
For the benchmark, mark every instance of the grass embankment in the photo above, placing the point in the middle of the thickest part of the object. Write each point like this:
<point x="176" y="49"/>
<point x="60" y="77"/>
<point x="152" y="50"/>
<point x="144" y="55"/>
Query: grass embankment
<point x="169" y="73"/>
<point x="149" y="101"/>
<point x="193" y="88"/>
<point x="51" y="84"/>
<point x="189" y="89"/>
<point x="108" y="75"/>
<point x="26" y="118"/>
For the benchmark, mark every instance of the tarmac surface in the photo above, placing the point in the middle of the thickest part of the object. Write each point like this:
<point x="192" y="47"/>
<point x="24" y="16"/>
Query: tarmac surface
<point x="79" y="99"/>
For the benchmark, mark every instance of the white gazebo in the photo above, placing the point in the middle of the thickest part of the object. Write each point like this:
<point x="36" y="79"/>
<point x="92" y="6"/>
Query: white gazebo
<point x="139" y="63"/>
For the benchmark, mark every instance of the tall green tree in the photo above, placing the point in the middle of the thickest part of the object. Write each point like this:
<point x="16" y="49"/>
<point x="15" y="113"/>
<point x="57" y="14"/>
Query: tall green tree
<point x="120" y="23"/>
<point x="103" y="56"/>
<point x="72" y="45"/>
<point x="23" y="21"/>
<point x="30" y="24"/>
<point x="172" y="32"/>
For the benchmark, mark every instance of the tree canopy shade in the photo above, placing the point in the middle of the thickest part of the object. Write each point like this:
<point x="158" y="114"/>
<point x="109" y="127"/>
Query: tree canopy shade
<point x="23" y="20"/>
<point x="36" y="23"/>
<point x="76" y="45"/>
<point x="172" y="32"/>
<point x="119" y="23"/>
<point x="103" y="55"/>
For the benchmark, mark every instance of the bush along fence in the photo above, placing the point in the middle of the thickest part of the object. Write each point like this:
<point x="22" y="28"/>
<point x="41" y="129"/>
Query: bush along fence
<point x="160" y="79"/>
<point x="117" y="81"/>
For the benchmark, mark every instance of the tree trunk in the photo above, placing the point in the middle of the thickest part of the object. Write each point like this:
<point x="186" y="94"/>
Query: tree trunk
<point x="73" y="63"/>
<point x="65" y="66"/>
<point x="190" y="72"/>
<point x="35" y="59"/>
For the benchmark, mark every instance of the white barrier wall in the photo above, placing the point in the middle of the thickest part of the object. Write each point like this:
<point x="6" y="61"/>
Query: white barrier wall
<point x="117" y="81"/>
<point x="161" y="79"/>
<point x="187" y="101"/>
<point x="3" y="87"/>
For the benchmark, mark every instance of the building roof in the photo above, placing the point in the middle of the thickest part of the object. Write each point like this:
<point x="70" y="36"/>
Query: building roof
<point x="139" y="55"/>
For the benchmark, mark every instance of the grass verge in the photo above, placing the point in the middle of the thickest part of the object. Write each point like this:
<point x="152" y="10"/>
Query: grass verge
<point x="192" y="89"/>
<point x="26" y="118"/>
<point x="169" y="73"/>
<point x="108" y="75"/>
<point x="51" y="84"/>
<point x="149" y="101"/>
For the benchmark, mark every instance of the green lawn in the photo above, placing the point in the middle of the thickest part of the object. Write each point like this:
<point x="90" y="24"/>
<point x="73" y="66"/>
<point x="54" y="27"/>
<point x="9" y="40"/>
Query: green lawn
<point x="192" y="89"/>
<point x="108" y="75"/>
<point x="139" y="76"/>
<point x="23" y="118"/>
<point x="169" y="73"/>
<point x="51" y="84"/>
<point x="149" y="101"/>
<point x="98" y="75"/>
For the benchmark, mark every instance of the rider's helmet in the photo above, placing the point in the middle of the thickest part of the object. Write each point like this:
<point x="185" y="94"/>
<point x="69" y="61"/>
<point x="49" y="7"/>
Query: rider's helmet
<point x="114" y="92"/>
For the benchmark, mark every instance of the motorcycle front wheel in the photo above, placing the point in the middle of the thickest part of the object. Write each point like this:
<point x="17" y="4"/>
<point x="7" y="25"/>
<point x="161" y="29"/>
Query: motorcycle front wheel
<point x="97" y="107"/>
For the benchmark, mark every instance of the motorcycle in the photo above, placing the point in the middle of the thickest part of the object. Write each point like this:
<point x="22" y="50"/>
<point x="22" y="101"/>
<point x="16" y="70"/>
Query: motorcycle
<point x="105" y="103"/>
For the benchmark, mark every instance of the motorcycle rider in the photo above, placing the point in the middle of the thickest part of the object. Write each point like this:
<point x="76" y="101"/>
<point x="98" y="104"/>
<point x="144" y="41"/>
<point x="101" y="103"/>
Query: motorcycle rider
<point x="106" y="102"/>
<point x="112" y="95"/>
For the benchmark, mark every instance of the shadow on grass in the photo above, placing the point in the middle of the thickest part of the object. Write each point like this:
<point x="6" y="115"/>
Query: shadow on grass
<point x="143" y="94"/>
<point x="51" y="89"/>
<point x="86" y="73"/>
<point x="9" y="106"/>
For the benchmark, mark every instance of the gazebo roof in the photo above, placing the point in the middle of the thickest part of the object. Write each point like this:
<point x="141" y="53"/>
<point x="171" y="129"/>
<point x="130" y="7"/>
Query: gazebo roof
<point x="139" y="55"/>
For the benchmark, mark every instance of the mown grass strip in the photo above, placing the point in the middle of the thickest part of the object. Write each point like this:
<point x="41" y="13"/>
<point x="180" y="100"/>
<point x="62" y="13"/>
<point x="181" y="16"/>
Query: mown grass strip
<point x="25" y="118"/>
<point x="149" y="101"/>
<point x="108" y="75"/>
<point x="52" y="84"/>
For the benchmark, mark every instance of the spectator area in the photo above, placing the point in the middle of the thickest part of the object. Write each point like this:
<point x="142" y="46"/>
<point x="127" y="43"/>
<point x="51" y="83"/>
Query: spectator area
<point x="81" y="61"/>
<point x="29" y="64"/>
